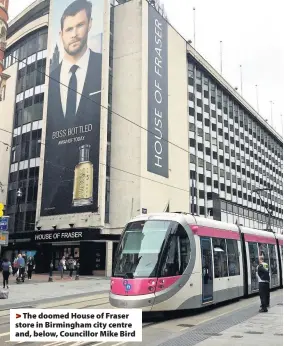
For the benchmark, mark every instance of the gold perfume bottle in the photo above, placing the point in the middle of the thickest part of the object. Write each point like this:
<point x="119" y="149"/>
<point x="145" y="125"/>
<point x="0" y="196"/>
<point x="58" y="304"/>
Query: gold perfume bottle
<point x="83" y="179"/>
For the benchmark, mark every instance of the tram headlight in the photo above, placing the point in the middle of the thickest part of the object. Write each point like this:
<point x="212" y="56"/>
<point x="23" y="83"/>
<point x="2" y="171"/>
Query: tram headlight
<point x="152" y="284"/>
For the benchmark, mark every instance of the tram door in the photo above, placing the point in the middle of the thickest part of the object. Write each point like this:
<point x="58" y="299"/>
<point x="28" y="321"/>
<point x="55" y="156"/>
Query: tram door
<point x="207" y="270"/>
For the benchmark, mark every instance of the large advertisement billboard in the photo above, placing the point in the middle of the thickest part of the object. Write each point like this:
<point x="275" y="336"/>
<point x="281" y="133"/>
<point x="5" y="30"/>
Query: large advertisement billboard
<point x="158" y="156"/>
<point x="72" y="144"/>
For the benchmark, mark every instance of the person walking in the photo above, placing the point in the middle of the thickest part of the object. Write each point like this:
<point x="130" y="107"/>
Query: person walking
<point x="31" y="267"/>
<point x="6" y="271"/>
<point x="263" y="284"/>
<point x="71" y="266"/>
<point x="62" y="266"/>
<point x="21" y="265"/>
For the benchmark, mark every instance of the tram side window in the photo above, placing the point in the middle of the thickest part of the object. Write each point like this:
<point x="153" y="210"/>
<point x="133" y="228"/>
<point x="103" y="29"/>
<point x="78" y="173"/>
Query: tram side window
<point x="220" y="258"/>
<point x="253" y="254"/>
<point x="273" y="261"/>
<point x="177" y="254"/>
<point x="233" y="257"/>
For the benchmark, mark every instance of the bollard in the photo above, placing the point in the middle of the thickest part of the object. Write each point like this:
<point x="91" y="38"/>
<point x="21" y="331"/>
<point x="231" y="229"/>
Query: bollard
<point x="50" y="279"/>
<point x="77" y="271"/>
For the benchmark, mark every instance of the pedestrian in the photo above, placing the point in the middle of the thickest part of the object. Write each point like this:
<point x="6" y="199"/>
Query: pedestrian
<point x="62" y="266"/>
<point x="15" y="266"/>
<point x="71" y="266"/>
<point x="31" y="267"/>
<point x="7" y="270"/>
<point x="263" y="284"/>
<point x="21" y="265"/>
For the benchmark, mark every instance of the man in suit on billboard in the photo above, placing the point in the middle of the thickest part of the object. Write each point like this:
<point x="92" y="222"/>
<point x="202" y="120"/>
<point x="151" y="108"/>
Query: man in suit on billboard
<point x="73" y="104"/>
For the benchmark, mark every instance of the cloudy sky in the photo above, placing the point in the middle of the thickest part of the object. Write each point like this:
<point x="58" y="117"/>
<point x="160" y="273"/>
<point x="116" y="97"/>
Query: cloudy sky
<point x="252" y="36"/>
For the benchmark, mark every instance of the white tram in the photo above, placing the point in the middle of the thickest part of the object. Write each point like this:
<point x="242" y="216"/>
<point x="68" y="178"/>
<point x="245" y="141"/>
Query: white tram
<point x="175" y="261"/>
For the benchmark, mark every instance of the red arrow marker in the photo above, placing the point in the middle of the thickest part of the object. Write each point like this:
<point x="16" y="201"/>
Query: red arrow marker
<point x="18" y="316"/>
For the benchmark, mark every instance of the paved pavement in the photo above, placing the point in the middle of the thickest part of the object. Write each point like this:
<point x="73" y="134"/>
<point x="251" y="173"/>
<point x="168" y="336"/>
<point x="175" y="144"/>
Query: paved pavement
<point x="262" y="330"/>
<point x="231" y="323"/>
<point x="32" y="292"/>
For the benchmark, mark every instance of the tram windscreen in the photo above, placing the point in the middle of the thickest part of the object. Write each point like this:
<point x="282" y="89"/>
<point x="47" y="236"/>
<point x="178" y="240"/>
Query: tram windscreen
<point x="139" y="251"/>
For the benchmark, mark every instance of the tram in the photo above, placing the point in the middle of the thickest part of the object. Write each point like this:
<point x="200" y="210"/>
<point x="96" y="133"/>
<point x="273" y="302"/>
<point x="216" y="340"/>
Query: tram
<point x="177" y="261"/>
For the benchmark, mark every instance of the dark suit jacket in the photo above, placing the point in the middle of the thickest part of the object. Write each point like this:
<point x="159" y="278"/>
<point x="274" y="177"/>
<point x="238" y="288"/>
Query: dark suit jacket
<point x="61" y="159"/>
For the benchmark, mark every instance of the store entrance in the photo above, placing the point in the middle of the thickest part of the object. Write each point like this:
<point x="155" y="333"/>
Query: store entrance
<point x="66" y="250"/>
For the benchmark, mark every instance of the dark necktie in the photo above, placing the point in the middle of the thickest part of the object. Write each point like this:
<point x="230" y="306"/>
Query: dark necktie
<point x="72" y="93"/>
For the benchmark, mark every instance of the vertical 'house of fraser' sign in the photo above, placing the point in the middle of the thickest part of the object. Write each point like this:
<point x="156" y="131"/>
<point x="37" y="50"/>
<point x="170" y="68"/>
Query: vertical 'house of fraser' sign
<point x="158" y="156"/>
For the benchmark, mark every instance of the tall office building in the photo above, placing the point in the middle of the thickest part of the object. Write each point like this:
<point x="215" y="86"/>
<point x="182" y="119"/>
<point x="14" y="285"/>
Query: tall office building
<point x="167" y="133"/>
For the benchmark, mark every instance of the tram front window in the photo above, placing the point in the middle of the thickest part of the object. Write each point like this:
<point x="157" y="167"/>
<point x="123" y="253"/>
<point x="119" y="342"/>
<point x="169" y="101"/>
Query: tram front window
<point x="139" y="251"/>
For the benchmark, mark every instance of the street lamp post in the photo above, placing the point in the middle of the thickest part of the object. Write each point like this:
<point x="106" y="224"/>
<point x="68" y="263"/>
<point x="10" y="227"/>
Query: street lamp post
<point x="266" y="206"/>
<point x="19" y="196"/>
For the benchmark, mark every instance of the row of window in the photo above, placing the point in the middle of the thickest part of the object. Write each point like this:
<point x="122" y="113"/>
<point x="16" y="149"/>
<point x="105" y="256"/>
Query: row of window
<point x="31" y="75"/>
<point x="28" y="147"/>
<point x="231" y="175"/>
<point x="252" y="223"/>
<point x="247" y="196"/>
<point x="22" y="49"/>
<point x="29" y="110"/>
<point x="234" y="110"/>
<point x="243" y="141"/>
<point x="246" y="172"/>
<point x="253" y="215"/>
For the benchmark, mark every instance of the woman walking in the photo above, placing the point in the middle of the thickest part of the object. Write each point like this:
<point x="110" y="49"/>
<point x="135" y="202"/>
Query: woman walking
<point x="31" y="267"/>
<point x="62" y="266"/>
<point x="7" y="268"/>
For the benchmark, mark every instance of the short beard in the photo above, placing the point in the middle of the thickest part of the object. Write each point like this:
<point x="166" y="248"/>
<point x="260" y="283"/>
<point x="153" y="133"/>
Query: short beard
<point x="79" y="49"/>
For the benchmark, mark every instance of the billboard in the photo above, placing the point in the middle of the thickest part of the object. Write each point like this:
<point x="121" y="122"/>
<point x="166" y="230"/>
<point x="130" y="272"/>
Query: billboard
<point x="158" y="156"/>
<point x="72" y="145"/>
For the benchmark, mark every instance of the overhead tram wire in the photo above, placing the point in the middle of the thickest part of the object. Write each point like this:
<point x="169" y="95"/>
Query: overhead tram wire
<point x="104" y="164"/>
<point x="119" y="115"/>
<point x="105" y="107"/>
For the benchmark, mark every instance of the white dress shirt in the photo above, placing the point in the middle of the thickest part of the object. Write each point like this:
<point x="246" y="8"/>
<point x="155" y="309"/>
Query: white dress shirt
<point x="65" y="76"/>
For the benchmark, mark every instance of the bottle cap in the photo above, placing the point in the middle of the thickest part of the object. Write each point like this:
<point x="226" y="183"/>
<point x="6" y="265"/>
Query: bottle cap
<point x="84" y="154"/>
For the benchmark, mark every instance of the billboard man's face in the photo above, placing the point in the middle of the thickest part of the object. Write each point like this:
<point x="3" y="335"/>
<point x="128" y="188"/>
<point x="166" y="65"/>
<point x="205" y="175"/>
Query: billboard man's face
<point x="74" y="33"/>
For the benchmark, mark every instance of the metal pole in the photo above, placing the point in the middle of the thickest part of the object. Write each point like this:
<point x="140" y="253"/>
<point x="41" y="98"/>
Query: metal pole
<point x="271" y="103"/>
<point x="192" y="196"/>
<point x="194" y="27"/>
<point x="257" y="104"/>
<point x="221" y="53"/>
<point x="241" y="72"/>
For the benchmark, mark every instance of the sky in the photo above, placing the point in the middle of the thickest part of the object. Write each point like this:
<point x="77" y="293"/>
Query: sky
<point x="252" y="36"/>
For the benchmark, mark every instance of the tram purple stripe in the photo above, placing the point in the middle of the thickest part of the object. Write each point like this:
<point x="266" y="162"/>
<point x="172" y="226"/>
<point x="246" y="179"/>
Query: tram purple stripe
<point x="259" y="239"/>
<point x="214" y="232"/>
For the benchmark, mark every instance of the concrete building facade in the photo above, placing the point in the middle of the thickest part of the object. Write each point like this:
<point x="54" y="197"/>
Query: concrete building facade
<point x="175" y="136"/>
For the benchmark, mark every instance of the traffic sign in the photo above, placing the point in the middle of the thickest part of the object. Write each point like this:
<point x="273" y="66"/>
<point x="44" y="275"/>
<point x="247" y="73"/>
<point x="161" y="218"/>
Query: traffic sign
<point x="4" y="223"/>
<point x="1" y="209"/>
<point x="4" y="238"/>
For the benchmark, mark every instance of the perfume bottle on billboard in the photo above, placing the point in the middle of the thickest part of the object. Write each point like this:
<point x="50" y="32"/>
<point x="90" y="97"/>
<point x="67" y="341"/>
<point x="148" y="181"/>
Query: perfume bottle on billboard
<point x="83" y="179"/>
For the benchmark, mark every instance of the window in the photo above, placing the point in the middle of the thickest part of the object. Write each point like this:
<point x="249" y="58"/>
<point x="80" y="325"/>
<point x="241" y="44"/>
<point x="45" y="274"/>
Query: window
<point x="200" y="146"/>
<point x="253" y="252"/>
<point x="233" y="257"/>
<point x="192" y="158"/>
<point x="199" y="117"/>
<point x="220" y="258"/>
<point x="177" y="254"/>
<point x="273" y="264"/>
